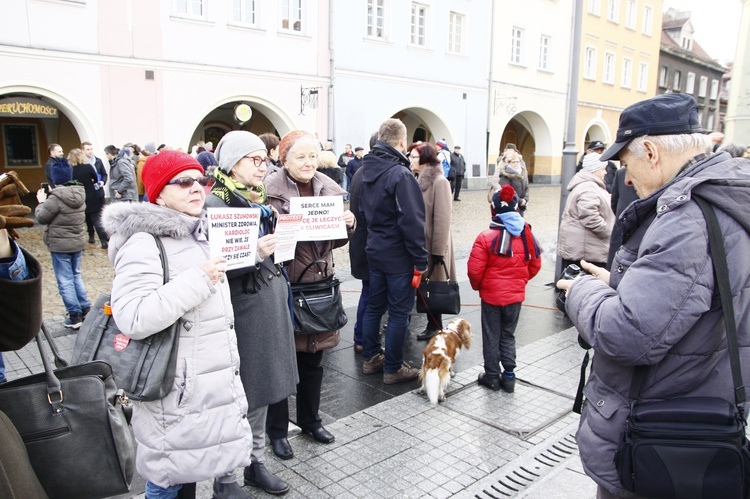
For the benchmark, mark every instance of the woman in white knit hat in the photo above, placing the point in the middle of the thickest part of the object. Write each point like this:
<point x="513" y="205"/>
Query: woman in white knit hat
<point x="588" y="219"/>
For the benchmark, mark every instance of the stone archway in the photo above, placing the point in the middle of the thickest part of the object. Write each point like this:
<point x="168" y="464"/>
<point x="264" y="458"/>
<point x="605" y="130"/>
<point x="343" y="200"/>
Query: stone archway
<point x="531" y="136"/>
<point x="596" y="130"/>
<point x="219" y="119"/>
<point x="423" y="124"/>
<point x="69" y="127"/>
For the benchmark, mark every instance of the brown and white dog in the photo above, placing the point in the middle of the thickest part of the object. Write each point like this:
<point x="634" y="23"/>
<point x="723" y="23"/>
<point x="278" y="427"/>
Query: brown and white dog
<point x="439" y="356"/>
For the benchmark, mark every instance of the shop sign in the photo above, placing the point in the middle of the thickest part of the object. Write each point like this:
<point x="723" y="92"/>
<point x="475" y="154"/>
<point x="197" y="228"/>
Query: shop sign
<point x="27" y="107"/>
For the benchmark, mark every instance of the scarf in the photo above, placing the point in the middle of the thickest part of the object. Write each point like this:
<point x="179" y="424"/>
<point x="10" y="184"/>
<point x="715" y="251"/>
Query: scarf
<point x="510" y="225"/>
<point x="236" y="195"/>
<point x="511" y="170"/>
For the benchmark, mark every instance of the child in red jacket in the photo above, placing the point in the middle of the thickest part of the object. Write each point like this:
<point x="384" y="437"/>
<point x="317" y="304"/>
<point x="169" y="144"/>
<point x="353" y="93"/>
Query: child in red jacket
<point x="503" y="259"/>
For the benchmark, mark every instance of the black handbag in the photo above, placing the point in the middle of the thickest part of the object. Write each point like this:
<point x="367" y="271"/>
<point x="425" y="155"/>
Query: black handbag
<point x="145" y="368"/>
<point x="438" y="297"/>
<point x="690" y="447"/>
<point x="317" y="306"/>
<point x="75" y="425"/>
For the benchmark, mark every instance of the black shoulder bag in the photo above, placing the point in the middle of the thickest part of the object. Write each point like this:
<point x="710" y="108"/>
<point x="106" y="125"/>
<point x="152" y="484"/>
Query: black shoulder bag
<point x="690" y="447"/>
<point x="317" y="306"/>
<point x="145" y="368"/>
<point x="438" y="297"/>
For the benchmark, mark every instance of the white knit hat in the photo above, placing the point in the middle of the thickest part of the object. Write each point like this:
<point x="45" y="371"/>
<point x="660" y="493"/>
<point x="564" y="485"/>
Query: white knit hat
<point x="592" y="162"/>
<point x="233" y="146"/>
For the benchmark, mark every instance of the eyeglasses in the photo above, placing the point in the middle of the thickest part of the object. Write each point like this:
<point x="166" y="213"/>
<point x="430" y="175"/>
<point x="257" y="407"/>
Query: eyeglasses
<point x="411" y="156"/>
<point x="187" y="182"/>
<point x="257" y="160"/>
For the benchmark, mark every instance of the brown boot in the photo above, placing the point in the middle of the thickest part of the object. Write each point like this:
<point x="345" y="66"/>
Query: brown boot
<point x="405" y="373"/>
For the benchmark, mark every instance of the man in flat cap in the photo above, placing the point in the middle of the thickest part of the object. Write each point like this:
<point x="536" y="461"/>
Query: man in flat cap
<point x="658" y="307"/>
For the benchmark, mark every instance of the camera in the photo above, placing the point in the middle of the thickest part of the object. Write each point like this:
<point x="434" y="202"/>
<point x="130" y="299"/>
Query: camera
<point x="46" y="188"/>
<point x="569" y="273"/>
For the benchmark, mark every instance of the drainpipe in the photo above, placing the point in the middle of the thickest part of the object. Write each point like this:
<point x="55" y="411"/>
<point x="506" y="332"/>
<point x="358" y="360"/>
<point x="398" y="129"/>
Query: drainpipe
<point x="489" y="90"/>
<point x="331" y="70"/>
<point x="570" y="153"/>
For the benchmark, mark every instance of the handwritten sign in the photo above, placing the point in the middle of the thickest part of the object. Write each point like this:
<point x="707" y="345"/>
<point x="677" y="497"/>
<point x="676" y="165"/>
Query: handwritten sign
<point x="233" y="234"/>
<point x="287" y="231"/>
<point x="322" y="217"/>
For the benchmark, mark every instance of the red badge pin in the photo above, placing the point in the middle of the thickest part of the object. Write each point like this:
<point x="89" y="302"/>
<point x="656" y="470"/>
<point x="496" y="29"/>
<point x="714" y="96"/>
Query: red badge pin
<point x="121" y="341"/>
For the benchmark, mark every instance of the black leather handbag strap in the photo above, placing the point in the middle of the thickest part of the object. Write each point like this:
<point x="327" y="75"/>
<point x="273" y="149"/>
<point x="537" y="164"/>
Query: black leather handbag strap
<point x="721" y="272"/>
<point x="162" y="257"/>
<point x="315" y="262"/>
<point x="432" y="267"/>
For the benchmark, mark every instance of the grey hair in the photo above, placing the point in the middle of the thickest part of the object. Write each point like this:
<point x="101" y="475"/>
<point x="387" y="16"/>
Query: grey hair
<point x="670" y="144"/>
<point x="734" y="150"/>
<point x="391" y="131"/>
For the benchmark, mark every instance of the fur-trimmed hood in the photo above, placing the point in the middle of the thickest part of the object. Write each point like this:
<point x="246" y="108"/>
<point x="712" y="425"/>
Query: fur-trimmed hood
<point x="502" y="172"/>
<point x="122" y="220"/>
<point x="428" y="176"/>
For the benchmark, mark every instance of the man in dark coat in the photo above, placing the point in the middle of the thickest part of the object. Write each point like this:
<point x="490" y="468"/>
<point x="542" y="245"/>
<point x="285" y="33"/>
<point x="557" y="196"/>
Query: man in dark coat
<point x="458" y="170"/>
<point x="393" y="208"/>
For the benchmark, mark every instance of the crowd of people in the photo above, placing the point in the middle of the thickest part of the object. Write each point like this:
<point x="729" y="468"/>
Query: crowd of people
<point x="234" y="378"/>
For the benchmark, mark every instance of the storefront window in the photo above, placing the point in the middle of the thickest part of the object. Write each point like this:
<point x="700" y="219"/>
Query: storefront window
<point x="20" y="145"/>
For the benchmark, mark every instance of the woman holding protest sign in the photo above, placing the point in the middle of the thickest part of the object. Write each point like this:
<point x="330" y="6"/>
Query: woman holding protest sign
<point x="199" y="430"/>
<point x="268" y="367"/>
<point x="298" y="177"/>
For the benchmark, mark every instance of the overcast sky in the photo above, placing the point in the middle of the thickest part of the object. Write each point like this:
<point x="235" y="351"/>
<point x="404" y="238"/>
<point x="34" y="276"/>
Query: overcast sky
<point x="716" y="23"/>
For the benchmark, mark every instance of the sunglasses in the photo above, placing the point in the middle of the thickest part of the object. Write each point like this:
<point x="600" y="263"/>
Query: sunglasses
<point x="187" y="182"/>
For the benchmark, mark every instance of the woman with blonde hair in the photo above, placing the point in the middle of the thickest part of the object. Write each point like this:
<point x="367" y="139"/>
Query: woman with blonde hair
<point x="512" y="171"/>
<point x="327" y="166"/>
<point x="84" y="173"/>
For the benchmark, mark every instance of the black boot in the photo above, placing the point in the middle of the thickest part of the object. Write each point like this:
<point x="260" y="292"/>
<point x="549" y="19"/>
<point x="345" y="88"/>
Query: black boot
<point x="490" y="382"/>
<point x="256" y="475"/>
<point x="426" y="334"/>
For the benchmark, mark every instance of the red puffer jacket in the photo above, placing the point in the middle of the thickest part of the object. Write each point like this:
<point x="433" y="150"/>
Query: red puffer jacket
<point x="501" y="280"/>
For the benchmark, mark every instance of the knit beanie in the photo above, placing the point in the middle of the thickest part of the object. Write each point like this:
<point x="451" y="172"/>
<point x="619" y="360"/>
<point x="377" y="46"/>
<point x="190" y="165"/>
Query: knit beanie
<point x="442" y="144"/>
<point x="207" y="159"/>
<point x="592" y="162"/>
<point x="150" y="147"/>
<point x="288" y="141"/>
<point x="61" y="171"/>
<point x="160" y="168"/>
<point x="233" y="146"/>
<point x="504" y="200"/>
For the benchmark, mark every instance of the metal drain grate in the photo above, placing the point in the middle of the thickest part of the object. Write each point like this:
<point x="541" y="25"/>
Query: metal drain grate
<point x="517" y="480"/>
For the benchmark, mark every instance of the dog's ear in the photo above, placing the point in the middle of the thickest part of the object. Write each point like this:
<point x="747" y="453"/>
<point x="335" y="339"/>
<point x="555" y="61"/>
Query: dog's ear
<point x="464" y="331"/>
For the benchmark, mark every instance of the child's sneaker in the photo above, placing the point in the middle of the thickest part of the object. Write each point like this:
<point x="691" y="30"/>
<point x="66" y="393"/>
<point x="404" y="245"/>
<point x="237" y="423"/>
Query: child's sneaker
<point x="74" y="321"/>
<point x="491" y="383"/>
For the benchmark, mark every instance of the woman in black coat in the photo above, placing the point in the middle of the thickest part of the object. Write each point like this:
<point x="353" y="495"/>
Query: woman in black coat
<point x="84" y="173"/>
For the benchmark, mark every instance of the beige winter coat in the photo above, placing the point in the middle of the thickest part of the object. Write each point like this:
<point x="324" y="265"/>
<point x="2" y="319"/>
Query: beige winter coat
<point x="587" y="221"/>
<point x="200" y="429"/>
<point x="438" y="209"/>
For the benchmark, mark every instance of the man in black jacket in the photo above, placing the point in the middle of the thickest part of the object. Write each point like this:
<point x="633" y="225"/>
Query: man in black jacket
<point x="458" y="170"/>
<point x="393" y="208"/>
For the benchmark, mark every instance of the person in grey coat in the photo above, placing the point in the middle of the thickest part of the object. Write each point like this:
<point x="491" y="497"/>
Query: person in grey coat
<point x="122" y="181"/>
<point x="260" y="298"/>
<point x="658" y="306"/>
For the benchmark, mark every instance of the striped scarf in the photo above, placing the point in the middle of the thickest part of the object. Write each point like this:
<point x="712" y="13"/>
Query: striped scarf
<point x="502" y="245"/>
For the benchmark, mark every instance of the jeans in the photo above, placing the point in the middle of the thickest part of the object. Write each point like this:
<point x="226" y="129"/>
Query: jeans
<point x="363" y="299"/>
<point x="67" y="268"/>
<point x="2" y="369"/>
<point x="394" y="293"/>
<point x="155" y="492"/>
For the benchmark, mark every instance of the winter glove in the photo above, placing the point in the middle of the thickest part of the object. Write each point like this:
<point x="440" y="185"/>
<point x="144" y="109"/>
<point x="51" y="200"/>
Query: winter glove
<point x="12" y="211"/>
<point x="14" y="216"/>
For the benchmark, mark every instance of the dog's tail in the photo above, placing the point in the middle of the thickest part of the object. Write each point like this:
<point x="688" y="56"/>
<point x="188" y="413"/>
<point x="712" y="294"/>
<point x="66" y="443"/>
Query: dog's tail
<point x="432" y="385"/>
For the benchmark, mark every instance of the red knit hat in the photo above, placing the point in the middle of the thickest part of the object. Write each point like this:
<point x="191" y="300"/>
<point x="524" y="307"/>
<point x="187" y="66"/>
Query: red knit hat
<point x="288" y="140"/>
<point x="160" y="168"/>
<point x="504" y="200"/>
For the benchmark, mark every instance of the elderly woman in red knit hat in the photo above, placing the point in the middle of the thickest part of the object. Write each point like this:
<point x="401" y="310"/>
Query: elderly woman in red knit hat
<point x="298" y="152"/>
<point x="502" y="260"/>
<point x="200" y="429"/>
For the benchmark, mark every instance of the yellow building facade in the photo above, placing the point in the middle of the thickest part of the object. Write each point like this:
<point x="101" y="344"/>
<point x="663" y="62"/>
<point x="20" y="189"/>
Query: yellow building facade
<point x="619" y="63"/>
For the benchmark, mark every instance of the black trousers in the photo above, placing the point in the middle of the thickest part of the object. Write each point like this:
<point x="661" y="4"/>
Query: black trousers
<point x="94" y="222"/>
<point x="456" y="185"/>
<point x="499" y="337"/>
<point x="308" y="398"/>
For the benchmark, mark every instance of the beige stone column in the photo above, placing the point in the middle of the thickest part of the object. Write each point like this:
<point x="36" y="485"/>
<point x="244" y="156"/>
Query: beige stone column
<point x="737" y="120"/>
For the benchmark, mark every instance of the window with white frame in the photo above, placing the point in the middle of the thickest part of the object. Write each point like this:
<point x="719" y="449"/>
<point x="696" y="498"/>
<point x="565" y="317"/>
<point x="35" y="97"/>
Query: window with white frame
<point x="631" y="13"/>
<point x="676" y="80"/>
<point x="690" y="83"/>
<point x="544" y="47"/>
<point x="516" y="46"/>
<point x="710" y="122"/>
<point x="595" y="7"/>
<point x="589" y="64"/>
<point x="714" y="90"/>
<point x="700" y="117"/>
<point x="643" y="77"/>
<point x="189" y="8"/>
<point x="609" y="68"/>
<point x="648" y="19"/>
<point x="244" y="11"/>
<point x="418" y="24"/>
<point x="376" y="18"/>
<point x="614" y="11"/>
<point x="702" y="86"/>
<point x="456" y="29"/>
<point x="663" y="77"/>
<point x="291" y="15"/>
<point x="627" y="72"/>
